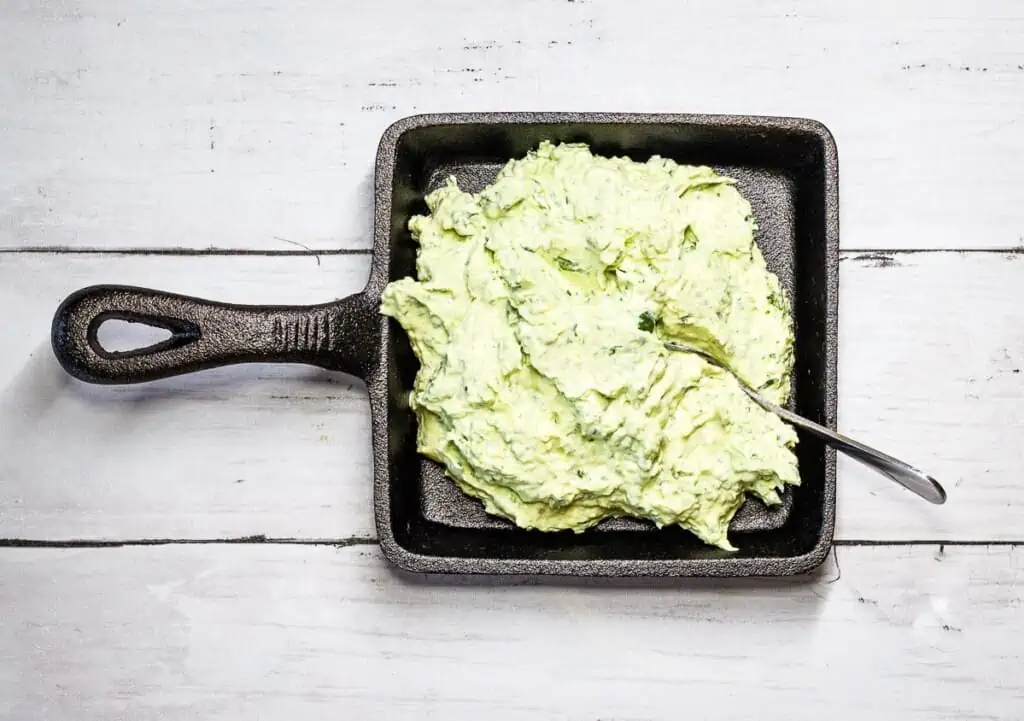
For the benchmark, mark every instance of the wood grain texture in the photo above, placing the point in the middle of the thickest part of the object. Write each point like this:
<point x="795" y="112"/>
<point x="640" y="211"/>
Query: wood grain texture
<point x="77" y="460"/>
<point x="931" y="351"/>
<point x="224" y="124"/>
<point x="269" y="632"/>
<point x="931" y="369"/>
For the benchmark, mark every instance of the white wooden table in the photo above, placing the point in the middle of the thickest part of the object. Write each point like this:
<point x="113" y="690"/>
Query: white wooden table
<point x="203" y="548"/>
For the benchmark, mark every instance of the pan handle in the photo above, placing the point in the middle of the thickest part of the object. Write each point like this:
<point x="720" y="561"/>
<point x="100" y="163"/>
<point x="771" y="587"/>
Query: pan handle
<point x="339" y="335"/>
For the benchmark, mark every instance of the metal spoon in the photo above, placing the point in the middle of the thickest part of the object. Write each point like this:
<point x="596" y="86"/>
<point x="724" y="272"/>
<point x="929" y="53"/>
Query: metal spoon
<point x="904" y="474"/>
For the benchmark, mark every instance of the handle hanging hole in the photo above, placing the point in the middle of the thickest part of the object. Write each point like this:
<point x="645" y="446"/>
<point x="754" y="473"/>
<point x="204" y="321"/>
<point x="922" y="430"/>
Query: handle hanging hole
<point x="142" y="334"/>
<point x="122" y="336"/>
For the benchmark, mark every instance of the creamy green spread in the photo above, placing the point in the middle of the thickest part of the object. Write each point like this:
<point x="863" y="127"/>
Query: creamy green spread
<point x="539" y="318"/>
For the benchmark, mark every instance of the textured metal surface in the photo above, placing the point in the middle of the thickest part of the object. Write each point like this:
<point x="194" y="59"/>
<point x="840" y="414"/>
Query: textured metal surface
<point x="340" y="336"/>
<point x="788" y="168"/>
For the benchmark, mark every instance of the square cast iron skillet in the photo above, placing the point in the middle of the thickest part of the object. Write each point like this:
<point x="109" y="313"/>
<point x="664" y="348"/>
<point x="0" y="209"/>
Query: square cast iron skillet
<point x="786" y="167"/>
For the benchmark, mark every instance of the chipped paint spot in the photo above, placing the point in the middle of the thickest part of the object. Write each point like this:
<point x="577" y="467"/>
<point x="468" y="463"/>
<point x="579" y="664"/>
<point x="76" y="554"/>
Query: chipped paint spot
<point x="877" y="260"/>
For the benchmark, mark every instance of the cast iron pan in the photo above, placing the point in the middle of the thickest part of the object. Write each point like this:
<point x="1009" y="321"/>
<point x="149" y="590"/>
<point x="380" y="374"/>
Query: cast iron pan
<point x="786" y="167"/>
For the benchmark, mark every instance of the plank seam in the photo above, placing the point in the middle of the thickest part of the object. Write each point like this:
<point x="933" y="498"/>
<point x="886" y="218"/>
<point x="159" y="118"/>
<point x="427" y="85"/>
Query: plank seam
<point x="198" y="252"/>
<point x="345" y="541"/>
<point x="228" y="252"/>
<point x="242" y="540"/>
<point x="1014" y="250"/>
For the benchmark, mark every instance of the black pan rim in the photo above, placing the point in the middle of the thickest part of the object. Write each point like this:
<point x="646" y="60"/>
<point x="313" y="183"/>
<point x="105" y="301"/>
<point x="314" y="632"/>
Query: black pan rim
<point x="412" y="561"/>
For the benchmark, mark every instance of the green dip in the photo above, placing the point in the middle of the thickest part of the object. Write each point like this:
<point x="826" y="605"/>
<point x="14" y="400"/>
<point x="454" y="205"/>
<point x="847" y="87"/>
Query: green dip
<point x="539" y="318"/>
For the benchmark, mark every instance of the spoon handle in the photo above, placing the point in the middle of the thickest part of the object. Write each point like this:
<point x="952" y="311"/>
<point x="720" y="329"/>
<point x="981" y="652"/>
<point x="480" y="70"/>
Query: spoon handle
<point x="904" y="474"/>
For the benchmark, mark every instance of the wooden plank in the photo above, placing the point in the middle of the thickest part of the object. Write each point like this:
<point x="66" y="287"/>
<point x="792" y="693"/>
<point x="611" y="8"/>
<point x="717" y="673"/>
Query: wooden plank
<point x="930" y="349"/>
<point x="931" y="354"/>
<point x="283" y="449"/>
<point x="219" y="124"/>
<point x="185" y="632"/>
